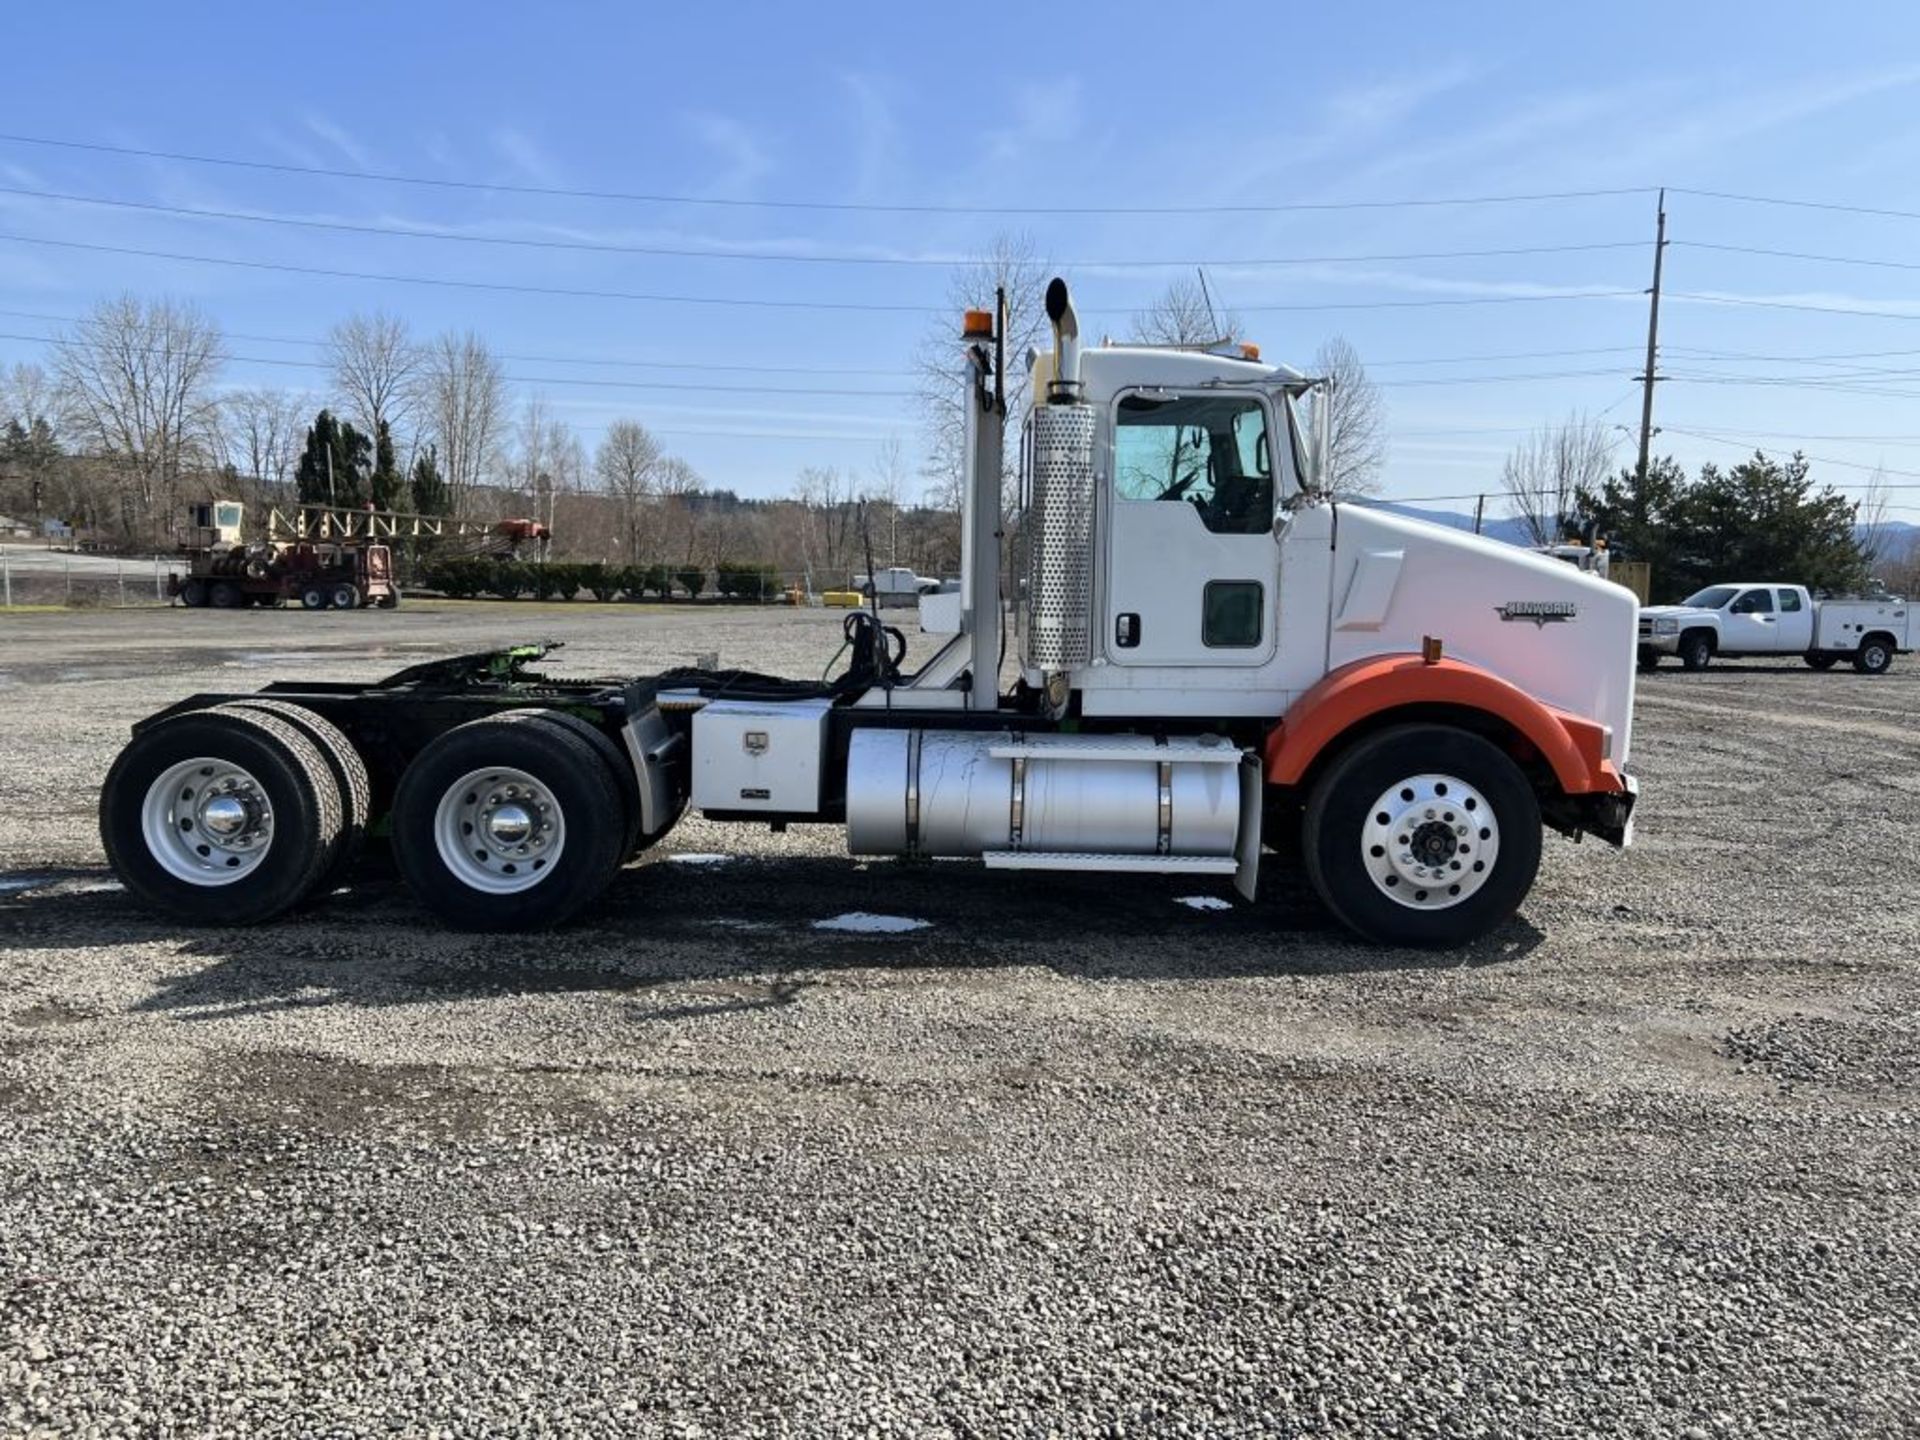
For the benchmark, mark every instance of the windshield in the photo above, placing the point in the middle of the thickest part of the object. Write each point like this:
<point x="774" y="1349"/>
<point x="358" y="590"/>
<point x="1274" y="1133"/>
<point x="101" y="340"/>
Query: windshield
<point x="1711" y="598"/>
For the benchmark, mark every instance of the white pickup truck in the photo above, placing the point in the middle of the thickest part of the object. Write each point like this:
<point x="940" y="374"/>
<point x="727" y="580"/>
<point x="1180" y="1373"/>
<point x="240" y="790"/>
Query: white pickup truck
<point x="1765" y="618"/>
<point x="896" y="585"/>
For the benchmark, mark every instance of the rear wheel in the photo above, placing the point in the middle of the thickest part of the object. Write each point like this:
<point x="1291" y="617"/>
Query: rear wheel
<point x="193" y="594"/>
<point x="1696" y="649"/>
<point x="349" y="777"/>
<point x="618" y="768"/>
<point x="507" y="824"/>
<point x="1423" y="835"/>
<point x="389" y="601"/>
<point x="345" y="596"/>
<point x="314" y="596"/>
<point x="220" y="817"/>
<point x="1821" y="659"/>
<point x="1875" y="655"/>
<point x="225" y="595"/>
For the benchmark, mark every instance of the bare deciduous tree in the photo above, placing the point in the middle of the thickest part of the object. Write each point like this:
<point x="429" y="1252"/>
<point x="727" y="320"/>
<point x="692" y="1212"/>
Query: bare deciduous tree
<point x="887" y="487"/>
<point x="1013" y="262"/>
<point x="1548" y="473"/>
<point x="262" y="430"/>
<point x="462" y="396"/>
<point x="626" y="464"/>
<point x="1877" y="539"/>
<point x="1183" y="315"/>
<point x="1356" y="417"/>
<point x="375" y="364"/>
<point x="136" y="384"/>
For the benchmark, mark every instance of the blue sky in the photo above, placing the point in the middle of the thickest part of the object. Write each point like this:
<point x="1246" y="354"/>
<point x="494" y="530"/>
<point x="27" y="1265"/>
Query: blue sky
<point x="905" y="105"/>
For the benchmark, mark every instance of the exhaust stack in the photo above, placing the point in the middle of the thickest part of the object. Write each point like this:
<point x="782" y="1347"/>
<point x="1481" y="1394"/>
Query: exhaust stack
<point x="1065" y="386"/>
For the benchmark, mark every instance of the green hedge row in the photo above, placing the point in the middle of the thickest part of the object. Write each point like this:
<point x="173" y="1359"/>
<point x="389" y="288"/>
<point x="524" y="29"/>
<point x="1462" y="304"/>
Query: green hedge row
<point x="513" y="579"/>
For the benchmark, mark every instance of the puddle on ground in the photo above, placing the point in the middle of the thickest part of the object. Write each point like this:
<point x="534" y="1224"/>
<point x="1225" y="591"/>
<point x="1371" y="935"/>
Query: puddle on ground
<point x="22" y="881"/>
<point x="862" y="923"/>
<point x="1204" y="902"/>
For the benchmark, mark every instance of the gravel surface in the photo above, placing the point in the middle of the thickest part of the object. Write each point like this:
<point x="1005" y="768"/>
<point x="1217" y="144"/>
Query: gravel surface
<point x="1063" y="1157"/>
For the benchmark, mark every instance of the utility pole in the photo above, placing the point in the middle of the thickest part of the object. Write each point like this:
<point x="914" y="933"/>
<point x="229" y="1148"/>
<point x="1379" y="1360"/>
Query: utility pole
<point x="1479" y="511"/>
<point x="1648" y="378"/>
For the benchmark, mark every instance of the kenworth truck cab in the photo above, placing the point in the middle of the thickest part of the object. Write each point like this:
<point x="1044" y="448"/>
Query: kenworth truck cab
<point x="1211" y="658"/>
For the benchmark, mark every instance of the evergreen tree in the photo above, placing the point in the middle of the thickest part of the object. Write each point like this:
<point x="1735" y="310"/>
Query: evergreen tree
<point x="386" y="485"/>
<point x="1764" y="519"/>
<point x="430" y="495"/>
<point x="351" y="454"/>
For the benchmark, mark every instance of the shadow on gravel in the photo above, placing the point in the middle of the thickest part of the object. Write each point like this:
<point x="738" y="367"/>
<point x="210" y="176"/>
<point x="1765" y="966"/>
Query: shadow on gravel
<point x="746" y="932"/>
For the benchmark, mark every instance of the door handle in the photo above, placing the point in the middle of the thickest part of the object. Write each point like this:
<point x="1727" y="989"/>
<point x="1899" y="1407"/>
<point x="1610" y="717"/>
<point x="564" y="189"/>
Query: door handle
<point x="1126" y="630"/>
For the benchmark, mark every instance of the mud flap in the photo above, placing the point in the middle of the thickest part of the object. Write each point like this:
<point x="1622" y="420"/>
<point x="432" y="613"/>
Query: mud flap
<point x="1253" y="809"/>
<point x="658" y="767"/>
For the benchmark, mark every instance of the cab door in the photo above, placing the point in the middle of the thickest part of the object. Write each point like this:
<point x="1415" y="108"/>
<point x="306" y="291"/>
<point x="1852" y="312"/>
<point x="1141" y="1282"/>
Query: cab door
<point x="1794" y="625"/>
<point x="1192" y="565"/>
<point x="1750" y="626"/>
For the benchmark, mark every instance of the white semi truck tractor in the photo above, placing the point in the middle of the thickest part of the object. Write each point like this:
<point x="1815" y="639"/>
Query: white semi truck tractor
<point x="1213" y="659"/>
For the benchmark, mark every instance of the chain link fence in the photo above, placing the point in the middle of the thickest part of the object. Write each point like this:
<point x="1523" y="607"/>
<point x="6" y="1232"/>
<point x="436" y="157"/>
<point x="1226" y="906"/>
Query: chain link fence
<point x="31" y="577"/>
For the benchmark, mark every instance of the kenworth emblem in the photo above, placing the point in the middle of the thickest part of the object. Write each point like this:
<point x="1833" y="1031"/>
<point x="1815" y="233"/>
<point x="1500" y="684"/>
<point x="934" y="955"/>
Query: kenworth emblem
<point x="1540" y="612"/>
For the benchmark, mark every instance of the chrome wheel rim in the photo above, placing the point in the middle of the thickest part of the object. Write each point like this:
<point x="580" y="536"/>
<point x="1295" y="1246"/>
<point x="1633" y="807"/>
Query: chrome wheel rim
<point x="500" y="831"/>
<point x="207" y="822"/>
<point x="1430" y="842"/>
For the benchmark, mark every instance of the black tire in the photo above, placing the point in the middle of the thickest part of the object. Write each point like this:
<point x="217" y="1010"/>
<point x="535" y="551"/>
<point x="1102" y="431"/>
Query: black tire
<point x="1875" y="655"/>
<point x="193" y="594"/>
<point x="1696" y="649"/>
<point x="293" y="777"/>
<point x="573" y="774"/>
<point x="1341" y="804"/>
<point x="389" y="601"/>
<point x="349" y="777"/>
<point x="619" y="769"/>
<point x="345" y="596"/>
<point x="314" y="596"/>
<point x="1822" y="659"/>
<point x="225" y="595"/>
<point x="1649" y="658"/>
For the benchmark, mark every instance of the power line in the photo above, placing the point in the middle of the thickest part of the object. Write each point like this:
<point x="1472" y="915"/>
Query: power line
<point x="1797" y="204"/>
<point x="1792" y="305"/>
<point x="662" y="198"/>
<point x="1801" y="255"/>
<point x="726" y="367"/>
<point x="705" y="387"/>
<point x="745" y="301"/>
<point x="671" y="252"/>
<point x="1816" y="459"/>
<point x="1508" y="355"/>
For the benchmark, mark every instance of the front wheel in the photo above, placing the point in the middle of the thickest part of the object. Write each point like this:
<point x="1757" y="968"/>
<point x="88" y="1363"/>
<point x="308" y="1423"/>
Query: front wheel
<point x="1649" y="658"/>
<point x="1422" y="835"/>
<point x="346" y="596"/>
<point x="1696" y="649"/>
<point x="506" y="825"/>
<point x="1875" y="655"/>
<point x="314" y="597"/>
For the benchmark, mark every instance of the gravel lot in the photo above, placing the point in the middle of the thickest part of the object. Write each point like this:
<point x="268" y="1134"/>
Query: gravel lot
<point x="1067" y="1158"/>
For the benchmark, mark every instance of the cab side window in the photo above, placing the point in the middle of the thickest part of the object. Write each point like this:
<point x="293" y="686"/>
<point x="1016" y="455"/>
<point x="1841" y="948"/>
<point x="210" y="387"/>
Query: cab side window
<point x="1754" y="602"/>
<point x="1208" y="451"/>
<point x="1789" y="601"/>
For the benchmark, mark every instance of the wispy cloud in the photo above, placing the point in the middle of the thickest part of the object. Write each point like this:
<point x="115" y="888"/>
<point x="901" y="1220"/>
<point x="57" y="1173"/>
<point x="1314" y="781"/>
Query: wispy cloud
<point x="525" y="155"/>
<point x="743" y="160"/>
<point x="1040" y="114"/>
<point x="876" y="141"/>
<point x="340" y="139"/>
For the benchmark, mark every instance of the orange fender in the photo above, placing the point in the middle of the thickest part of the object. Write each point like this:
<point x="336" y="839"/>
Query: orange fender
<point x="1572" y="745"/>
